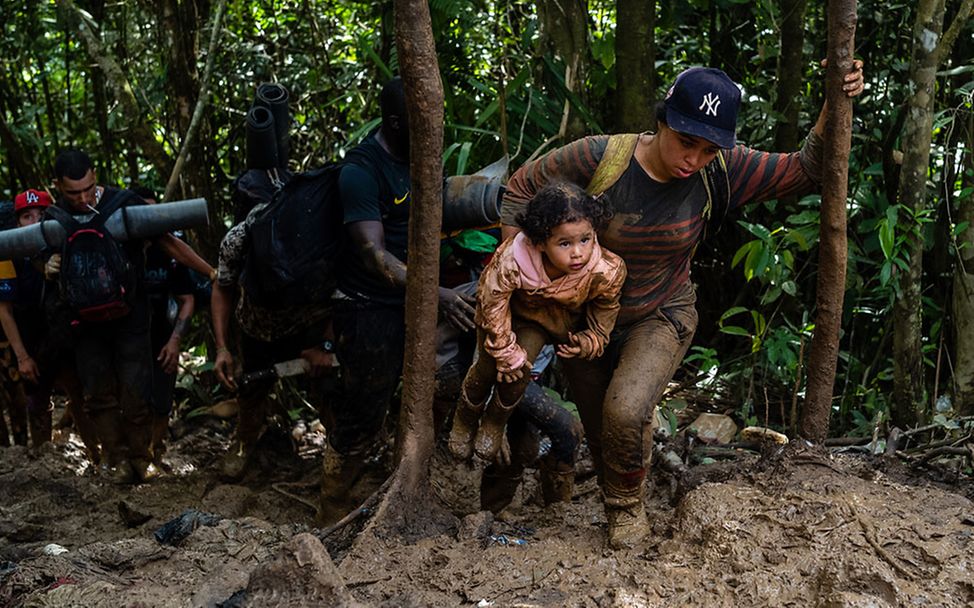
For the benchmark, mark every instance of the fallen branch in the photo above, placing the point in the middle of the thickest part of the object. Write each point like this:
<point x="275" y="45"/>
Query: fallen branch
<point x="279" y="488"/>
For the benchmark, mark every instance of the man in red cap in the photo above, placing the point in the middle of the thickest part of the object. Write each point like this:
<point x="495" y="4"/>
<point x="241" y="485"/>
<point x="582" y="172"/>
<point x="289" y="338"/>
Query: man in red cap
<point x="24" y="325"/>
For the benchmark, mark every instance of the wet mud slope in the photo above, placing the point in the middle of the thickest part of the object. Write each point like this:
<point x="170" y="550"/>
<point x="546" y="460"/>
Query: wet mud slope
<point x="793" y="530"/>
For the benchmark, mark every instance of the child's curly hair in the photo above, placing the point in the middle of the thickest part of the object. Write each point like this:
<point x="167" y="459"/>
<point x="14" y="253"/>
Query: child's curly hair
<point x="561" y="203"/>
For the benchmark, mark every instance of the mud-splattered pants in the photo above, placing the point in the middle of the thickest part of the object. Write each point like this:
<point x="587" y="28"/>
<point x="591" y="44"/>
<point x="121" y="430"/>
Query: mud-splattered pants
<point x="617" y="393"/>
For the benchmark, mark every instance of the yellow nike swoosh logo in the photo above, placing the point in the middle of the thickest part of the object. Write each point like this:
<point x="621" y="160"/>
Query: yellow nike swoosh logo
<point x="399" y="201"/>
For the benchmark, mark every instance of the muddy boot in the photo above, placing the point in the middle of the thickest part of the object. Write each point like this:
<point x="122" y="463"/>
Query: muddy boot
<point x="116" y="463"/>
<point x="18" y="415"/>
<point x="491" y="433"/>
<point x="498" y="488"/>
<point x="39" y="412"/>
<point x="466" y="417"/>
<point x="339" y="473"/>
<point x="557" y="481"/>
<point x="160" y="435"/>
<point x="85" y="427"/>
<point x="236" y="461"/>
<point x="624" y="508"/>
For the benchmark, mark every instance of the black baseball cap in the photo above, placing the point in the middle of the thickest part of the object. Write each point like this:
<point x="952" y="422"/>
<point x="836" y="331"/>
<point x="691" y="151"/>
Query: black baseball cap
<point x="704" y="102"/>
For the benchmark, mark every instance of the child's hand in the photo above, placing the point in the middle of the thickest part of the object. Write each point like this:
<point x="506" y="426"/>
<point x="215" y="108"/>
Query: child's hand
<point x="570" y="350"/>
<point x="510" y="377"/>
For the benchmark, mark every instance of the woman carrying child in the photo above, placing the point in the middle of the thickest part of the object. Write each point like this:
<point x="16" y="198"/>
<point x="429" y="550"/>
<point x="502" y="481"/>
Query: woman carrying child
<point x="551" y="283"/>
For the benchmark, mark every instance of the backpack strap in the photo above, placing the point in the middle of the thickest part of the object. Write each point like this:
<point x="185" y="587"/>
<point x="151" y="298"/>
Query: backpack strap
<point x="716" y="182"/>
<point x="614" y="162"/>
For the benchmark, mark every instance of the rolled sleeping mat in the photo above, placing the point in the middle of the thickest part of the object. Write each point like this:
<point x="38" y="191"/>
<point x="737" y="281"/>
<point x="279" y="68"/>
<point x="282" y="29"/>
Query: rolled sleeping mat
<point x="274" y="97"/>
<point x="474" y="201"/>
<point x="138" y="222"/>
<point x="262" y="150"/>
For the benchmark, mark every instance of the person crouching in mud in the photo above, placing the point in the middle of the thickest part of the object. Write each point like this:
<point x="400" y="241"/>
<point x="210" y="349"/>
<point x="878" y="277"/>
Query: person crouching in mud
<point x="551" y="283"/>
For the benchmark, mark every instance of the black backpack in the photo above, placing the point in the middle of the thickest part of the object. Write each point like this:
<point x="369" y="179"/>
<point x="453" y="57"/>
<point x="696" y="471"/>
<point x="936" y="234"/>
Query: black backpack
<point x="294" y="240"/>
<point x="97" y="279"/>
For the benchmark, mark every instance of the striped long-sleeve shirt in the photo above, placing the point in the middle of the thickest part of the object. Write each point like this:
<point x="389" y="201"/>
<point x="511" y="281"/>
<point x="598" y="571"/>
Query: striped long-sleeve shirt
<point x="657" y="226"/>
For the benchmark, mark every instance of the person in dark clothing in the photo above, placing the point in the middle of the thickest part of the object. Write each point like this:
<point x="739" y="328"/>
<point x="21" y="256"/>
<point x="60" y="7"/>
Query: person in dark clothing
<point x="27" y="328"/>
<point x="170" y="288"/>
<point x="114" y="357"/>
<point x="369" y="304"/>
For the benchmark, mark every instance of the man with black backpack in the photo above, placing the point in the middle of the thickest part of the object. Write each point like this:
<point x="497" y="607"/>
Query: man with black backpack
<point x="102" y="285"/>
<point x="369" y="303"/>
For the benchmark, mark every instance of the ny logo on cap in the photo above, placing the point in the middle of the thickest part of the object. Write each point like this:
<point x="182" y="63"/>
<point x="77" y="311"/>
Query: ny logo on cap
<point x="710" y="104"/>
<point x="32" y="198"/>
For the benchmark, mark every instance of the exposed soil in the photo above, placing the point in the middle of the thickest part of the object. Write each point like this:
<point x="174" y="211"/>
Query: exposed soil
<point x="799" y="529"/>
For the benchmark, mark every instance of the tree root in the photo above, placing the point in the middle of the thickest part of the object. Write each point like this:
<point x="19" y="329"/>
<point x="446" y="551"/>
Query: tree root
<point x="362" y="509"/>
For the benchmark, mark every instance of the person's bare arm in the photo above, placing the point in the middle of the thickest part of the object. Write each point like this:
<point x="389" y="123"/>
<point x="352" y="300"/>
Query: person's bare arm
<point x="222" y="300"/>
<point x="168" y="357"/>
<point x="368" y="239"/>
<point x="25" y="363"/>
<point x="184" y="254"/>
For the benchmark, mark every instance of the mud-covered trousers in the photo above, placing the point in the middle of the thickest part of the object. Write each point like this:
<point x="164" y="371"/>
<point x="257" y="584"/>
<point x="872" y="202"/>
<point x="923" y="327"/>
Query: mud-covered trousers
<point x="260" y="355"/>
<point x="370" y="340"/>
<point x="617" y="393"/>
<point x="114" y="360"/>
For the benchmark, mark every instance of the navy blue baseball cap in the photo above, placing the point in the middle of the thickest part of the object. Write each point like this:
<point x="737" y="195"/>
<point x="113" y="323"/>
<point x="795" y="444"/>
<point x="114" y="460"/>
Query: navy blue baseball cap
<point x="704" y="102"/>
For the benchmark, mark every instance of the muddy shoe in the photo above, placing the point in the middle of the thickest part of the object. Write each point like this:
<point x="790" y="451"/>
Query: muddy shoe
<point x="490" y="436"/>
<point x="143" y="471"/>
<point x="121" y="473"/>
<point x="465" y="421"/>
<point x="557" y="483"/>
<point x="234" y="463"/>
<point x="628" y="525"/>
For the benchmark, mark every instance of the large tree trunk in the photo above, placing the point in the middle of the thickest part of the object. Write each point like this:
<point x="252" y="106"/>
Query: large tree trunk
<point x="564" y="24"/>
<point x="408" y="509"/>
<point x="929" y="48"/>
<point x="832" y="239"/>
<point x="635" y="65"/>
<point x="790" y="74"/>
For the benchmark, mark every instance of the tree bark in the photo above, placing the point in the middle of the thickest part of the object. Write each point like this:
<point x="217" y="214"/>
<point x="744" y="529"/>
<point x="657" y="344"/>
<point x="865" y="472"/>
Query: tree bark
<point x="824" y="351"/>
<point x="139" y="128"/>
<point x="929" y="48"/>
<point x="790" y="74"/>
<point x="635" y="46"/>
<point x="564" y="24"/>
<point x="408" y="509"/>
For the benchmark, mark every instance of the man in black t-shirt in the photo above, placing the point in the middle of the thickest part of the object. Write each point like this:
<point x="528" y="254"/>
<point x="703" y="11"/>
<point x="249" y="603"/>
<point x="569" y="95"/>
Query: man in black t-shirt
<point x="114" y="358"/>
<point x="369" y="303"/>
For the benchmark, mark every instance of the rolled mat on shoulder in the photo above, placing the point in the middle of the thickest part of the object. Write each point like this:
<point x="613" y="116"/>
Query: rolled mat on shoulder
<point x="262" y="150"/>
<point x="138" y="222"/>
<point x="474" y="201"/>
<point x="274" y="97"/>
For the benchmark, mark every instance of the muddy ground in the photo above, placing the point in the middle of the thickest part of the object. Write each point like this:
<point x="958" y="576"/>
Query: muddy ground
<point x="801" y="529"/>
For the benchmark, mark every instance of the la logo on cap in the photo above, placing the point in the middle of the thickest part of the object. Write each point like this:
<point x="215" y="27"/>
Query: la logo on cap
<point x="32" y="198"/>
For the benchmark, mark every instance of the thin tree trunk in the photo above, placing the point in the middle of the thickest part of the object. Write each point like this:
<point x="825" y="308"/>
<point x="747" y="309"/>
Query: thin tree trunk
<point x="565" y="27"/>
<point x="408" y="509"/>
<point x="635" y="46"/>
<point x="929" y="48"/>
<point x="830" y="288"/>
<point x="204" y="93"/>
<point x="139" y="128"/>
<point x="790" y="74"/>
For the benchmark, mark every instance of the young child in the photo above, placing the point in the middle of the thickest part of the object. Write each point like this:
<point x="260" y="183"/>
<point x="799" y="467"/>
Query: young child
<point x="551" y="283"/>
